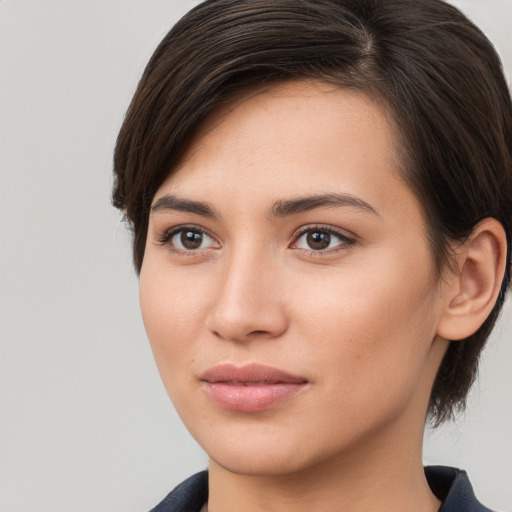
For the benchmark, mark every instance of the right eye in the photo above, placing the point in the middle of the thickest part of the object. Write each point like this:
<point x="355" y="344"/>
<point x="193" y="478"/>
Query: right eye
<point x="188" y="239"/>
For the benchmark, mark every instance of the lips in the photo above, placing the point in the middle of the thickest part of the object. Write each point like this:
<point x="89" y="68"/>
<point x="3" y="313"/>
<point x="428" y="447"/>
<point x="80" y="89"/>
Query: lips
<point x="250" y="388"/>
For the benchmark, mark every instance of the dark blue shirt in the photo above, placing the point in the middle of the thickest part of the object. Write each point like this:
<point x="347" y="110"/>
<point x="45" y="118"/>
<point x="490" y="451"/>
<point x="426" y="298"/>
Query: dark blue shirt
<point x="450" y="485"/>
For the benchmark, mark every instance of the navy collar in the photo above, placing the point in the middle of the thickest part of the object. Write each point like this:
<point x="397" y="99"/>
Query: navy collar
<point x="189" y="496"/>
<point x="450" y="485"/>
<point x="453" y="488"/>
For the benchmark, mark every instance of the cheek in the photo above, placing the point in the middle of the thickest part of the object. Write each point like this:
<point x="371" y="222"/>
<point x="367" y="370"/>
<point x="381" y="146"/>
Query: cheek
<point x="370" y="326"/>
<point x="170" y="316"/>
<point x="171" y="313"/>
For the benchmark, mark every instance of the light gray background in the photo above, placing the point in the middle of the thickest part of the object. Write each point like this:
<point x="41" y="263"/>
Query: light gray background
<point x="85" y="423"/>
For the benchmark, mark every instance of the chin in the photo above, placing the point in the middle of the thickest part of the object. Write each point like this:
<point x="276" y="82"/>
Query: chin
<point x="270" y="463"/>
<point x="266" y="452"/>
<point x="254" y="451"/>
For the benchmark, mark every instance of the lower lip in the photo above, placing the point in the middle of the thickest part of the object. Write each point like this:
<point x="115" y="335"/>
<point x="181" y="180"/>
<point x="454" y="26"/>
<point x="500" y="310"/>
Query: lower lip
<point x="251" y="398"/>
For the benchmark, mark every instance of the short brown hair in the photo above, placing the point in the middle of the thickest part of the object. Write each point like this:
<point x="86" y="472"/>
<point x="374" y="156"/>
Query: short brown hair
<point x="436" y="73"/>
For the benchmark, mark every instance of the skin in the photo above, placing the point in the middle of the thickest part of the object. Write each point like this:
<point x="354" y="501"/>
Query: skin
<point x="360" y="320"/>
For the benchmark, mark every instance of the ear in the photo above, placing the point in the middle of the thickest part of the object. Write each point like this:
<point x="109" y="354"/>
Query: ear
<point x="474" y="286"/>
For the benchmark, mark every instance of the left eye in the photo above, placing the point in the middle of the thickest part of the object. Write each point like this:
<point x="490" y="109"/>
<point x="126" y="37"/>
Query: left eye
<point x="190" y="239"/>
<point x="320" y="240"/>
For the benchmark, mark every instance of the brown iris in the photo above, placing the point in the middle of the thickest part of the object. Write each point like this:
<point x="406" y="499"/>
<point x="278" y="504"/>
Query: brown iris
<point x="318" y="240"/>
<point x="191" y="239"/>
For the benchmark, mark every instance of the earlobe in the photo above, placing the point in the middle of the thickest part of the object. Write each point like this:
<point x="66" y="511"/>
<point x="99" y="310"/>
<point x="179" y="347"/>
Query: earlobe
<point x="475" y="284"/>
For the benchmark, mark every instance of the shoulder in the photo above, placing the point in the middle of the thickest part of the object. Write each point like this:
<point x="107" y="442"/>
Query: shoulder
<point x="453" y="488"/>
<point x="189" y="496"/>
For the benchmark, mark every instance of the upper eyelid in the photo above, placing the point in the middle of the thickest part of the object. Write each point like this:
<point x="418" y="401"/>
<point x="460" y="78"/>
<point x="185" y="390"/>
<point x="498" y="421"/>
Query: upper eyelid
<point x="166" y="234"/>
<point x="342" y="233"/>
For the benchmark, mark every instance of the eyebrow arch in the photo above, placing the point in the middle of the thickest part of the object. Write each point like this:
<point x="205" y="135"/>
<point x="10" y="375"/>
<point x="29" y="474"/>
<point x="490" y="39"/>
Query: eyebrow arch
<point x="302" y="204"/>
<point x="170" y="202"/>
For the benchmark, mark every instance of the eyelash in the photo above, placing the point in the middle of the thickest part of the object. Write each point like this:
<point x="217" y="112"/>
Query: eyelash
<point x="346" y="242"/>
<point x="169" y="234"/>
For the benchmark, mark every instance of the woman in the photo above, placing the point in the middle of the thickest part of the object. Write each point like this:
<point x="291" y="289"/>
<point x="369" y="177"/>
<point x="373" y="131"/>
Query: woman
<point x="320" y="197"/>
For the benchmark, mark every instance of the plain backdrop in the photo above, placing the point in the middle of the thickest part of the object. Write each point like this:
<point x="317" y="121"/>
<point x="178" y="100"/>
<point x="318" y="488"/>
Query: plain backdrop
<point x="85" y="423"/>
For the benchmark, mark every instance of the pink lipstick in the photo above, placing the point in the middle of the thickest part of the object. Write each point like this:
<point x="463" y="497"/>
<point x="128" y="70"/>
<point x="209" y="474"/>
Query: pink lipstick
<point x="250" y="388"/>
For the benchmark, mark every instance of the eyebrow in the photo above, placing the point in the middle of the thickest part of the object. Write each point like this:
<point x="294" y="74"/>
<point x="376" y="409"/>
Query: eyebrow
<point x="303" y="204"/>
<point x="279" y="208"/>
<point x="169" y="202"/>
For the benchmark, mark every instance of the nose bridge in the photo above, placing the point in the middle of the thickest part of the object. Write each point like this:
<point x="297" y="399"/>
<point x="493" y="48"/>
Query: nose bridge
<point x="249" y="300"/>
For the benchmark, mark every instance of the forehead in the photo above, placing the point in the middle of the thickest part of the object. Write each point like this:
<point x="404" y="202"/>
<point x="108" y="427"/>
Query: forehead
<point x="305" y="96"/>
<point x="307" y="129"/>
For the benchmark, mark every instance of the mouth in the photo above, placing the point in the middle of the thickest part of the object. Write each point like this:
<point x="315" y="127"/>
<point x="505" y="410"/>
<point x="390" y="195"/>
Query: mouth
<point x="250" y="388"/>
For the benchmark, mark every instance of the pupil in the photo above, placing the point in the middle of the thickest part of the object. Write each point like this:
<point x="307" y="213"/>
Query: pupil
<point x="318" y="240"/>
<point x="191" y="239"/>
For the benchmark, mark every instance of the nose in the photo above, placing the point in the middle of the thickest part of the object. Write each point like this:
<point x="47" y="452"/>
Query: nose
<point x="249" y="303"/>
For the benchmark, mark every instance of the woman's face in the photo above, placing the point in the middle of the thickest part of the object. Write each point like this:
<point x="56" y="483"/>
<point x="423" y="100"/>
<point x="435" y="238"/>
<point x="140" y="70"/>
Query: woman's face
<point x="287" y="287"/>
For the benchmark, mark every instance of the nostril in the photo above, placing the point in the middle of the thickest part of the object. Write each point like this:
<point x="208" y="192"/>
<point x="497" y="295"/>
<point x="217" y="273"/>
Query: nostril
<point x="244" y="336"/>
<point x="257" y="333"/>
<point x="251" y="334"/>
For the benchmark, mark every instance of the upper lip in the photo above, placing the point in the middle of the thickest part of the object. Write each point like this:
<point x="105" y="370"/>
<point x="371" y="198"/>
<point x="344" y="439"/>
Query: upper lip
<point x="250" y="373"/>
